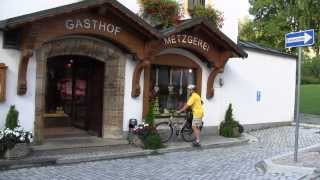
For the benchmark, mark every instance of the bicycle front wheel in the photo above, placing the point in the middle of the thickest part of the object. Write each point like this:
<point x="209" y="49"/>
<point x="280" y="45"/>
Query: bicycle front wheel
<point x="164" y="130"/>
<point x="187" y="134"/>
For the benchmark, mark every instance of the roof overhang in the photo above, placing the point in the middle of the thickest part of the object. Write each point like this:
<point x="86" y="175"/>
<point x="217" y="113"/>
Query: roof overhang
<point x="139" y="23"/>
<point x="204" y="26"/>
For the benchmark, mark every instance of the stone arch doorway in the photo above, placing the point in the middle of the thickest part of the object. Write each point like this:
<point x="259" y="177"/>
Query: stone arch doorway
<point x="73" y="96"/>
<point x="113" y="83"/>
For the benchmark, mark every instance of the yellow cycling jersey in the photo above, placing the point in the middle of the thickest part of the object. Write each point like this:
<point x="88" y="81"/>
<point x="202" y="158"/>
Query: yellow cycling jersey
<point x="194" y="102"/>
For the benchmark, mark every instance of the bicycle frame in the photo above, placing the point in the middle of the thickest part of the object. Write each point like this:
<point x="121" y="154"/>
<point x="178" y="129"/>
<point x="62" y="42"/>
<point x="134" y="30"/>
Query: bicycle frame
<point x="174" y="125"/>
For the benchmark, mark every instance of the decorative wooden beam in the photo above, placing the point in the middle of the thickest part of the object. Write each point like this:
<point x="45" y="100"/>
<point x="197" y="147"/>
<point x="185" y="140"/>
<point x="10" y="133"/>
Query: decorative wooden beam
<point x="22" y="74"/>
<point x="214" y="72"/>
<point x="136" y="90"/>
<point x="3" y="76"/>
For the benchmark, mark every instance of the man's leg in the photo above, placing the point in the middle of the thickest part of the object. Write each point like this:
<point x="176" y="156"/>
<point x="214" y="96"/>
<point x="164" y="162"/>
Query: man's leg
<point x="196" y="133"/>
<point x="196" y="123"/>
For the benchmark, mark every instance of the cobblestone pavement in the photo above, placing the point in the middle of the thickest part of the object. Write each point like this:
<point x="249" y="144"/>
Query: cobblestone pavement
<point x="310" y="118"/>
<point x="221" y="163"/>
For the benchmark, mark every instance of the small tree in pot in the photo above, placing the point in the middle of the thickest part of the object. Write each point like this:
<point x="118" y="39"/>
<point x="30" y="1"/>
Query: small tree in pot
<point x="229" y="127"/>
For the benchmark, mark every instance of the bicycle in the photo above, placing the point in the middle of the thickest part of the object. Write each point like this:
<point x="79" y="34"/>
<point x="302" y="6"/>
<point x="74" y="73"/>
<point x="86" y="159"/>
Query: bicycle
<point x="165" y="129"/>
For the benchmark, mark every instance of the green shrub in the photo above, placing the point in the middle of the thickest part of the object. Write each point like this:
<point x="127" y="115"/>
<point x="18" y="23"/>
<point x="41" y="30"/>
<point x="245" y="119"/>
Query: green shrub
<point x="153" y="141"/>
<point x="229" y="125"/>
<point x="10" y="137"/>
<point x="310" y="80"/>
<point x="226" y="131"/>
<point x="12" y="118"/>
<point x="149" y="136"/>
<point x="150" y="116"/>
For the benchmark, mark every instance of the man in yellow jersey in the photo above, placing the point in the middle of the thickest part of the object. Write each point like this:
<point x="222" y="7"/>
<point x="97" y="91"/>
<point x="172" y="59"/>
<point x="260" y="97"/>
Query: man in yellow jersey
<point x="194" y="101"/>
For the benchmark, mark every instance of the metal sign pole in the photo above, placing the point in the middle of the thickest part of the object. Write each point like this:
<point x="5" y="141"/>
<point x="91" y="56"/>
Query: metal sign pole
<point x="297" y="120"/>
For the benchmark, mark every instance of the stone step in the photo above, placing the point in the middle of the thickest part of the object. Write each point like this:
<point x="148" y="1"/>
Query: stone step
<point x="86" y="142"/>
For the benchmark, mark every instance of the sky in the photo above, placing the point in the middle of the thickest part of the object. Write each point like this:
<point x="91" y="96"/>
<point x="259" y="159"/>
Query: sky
<point x="244" y="8"/>
<point x="29" y="6"/>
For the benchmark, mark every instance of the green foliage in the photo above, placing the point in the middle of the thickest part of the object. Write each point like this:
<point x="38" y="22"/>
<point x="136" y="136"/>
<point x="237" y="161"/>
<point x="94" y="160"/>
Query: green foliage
<point x="311" y="71"/>
<point x="164" y="13"/>
<point x="310" y="99"/>
<point x="150" y="116"/>
<point x="273" y="19"/>
<point x="153" y="141"/>
<point x="12" y="118"/>
<point x="229" y="126"/>
<point x="209" y="13"/>
<point x="149" y="137"/>
<point x="10" y="137"/>
<point x="226" y="131"/>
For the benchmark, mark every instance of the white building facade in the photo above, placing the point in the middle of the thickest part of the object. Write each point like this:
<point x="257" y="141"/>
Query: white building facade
<point x="261" y="86"/>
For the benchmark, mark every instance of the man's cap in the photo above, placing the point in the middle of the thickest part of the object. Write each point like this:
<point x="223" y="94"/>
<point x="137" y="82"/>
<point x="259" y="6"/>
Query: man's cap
<point x="191" y="86"/>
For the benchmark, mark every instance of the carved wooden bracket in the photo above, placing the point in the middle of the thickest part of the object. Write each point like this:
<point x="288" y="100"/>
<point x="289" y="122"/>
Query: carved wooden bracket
<point x="22" y="74"/>
<point x="136" y="90"/>
<point x="3" y="76"/>
<point x="213" y="74"/>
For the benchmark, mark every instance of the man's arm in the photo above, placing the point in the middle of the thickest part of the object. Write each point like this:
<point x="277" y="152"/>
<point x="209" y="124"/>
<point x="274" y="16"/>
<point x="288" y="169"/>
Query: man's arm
<point x="185" y="107"/>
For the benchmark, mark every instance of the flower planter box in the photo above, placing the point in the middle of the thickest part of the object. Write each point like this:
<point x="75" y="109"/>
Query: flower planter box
<point x="236" y="132"/>
<point x="19" y="151"/>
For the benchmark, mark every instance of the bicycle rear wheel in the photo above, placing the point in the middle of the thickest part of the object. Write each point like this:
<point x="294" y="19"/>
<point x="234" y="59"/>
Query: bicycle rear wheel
<point x="164" y="130"/>
<point x="187" y="134"/>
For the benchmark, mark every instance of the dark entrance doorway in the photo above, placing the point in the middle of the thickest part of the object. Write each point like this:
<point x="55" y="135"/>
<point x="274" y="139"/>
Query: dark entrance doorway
<point x="74" y="93"/>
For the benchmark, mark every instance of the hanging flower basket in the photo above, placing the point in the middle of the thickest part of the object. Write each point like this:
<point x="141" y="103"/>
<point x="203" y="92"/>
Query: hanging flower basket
<point x="209" y="13"/>
<point x="161" y="13"/>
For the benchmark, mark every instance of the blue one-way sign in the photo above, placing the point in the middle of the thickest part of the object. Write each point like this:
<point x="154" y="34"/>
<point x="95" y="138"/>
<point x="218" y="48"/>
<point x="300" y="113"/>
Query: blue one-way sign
<point x="302" y="38"/>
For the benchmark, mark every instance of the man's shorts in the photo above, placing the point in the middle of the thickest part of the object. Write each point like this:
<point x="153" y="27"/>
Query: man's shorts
<point x="197" y="122"/>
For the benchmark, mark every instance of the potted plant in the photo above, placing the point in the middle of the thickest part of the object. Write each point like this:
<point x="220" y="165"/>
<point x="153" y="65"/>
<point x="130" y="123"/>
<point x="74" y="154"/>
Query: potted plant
<point x="145" y="134"/>
<point x="15" y="143"/>
<point x="209" y="13"/>
<point x="161" y="13"/>
<point x="147" y="137"/>
<point x="14" y="140"/>
<point x="229" y="127"/>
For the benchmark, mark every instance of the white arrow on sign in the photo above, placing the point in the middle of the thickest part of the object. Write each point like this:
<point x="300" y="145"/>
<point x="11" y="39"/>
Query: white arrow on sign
<point x="305" y="38"/>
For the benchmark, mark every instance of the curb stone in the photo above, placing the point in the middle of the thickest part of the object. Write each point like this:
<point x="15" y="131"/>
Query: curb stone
<point x="146" y="152"/>
<point x="268" y="166"/>
<point x="306" y="125"/>
<point x="111" y="156"/>
<point x="18" y="164"/>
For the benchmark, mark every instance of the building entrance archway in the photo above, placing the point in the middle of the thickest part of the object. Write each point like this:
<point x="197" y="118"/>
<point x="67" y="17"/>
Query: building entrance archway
<point x="74" y="94"/>
<point x="113" y="61"/>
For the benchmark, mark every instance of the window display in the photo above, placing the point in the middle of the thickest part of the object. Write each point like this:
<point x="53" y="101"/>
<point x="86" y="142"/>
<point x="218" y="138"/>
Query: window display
<point x="169" y="87"/>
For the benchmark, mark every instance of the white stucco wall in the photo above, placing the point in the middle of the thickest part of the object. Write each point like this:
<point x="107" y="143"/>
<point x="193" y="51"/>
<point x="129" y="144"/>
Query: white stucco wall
<point x="132" y="106"/>
<point x="273" y="75"/>
<point x="24" y="104"/>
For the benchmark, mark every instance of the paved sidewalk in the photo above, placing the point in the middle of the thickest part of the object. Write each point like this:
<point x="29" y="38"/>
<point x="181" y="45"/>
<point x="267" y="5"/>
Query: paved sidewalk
<point x="50" y="155"/>
<point x="307" y="166"/>
<point x="232" y="163"/>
